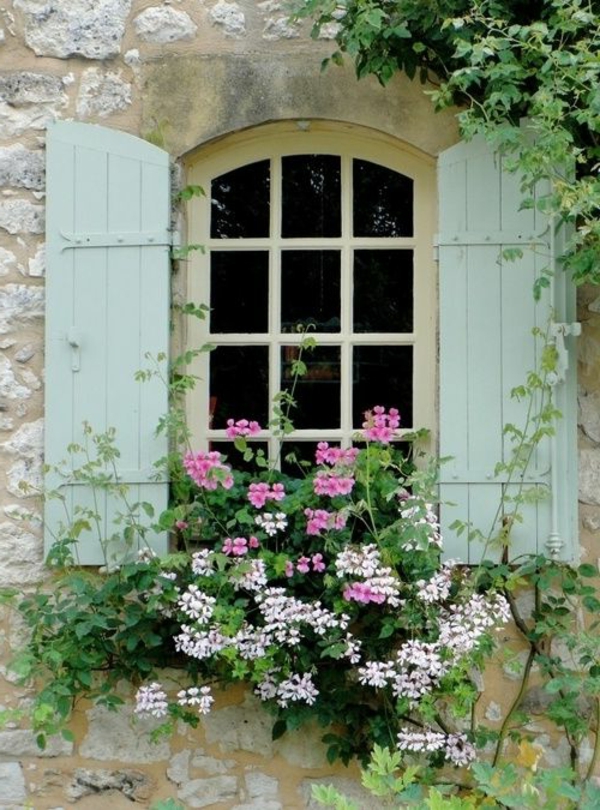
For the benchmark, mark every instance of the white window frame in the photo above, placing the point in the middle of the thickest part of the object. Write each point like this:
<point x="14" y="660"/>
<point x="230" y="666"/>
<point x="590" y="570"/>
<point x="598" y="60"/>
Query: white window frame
<point x="302" y="137"/>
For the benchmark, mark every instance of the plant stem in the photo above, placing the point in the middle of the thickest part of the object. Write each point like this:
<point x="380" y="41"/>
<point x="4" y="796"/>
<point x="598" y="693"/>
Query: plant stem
<point x="596" y="752"/>
<point x="515" y="705"/>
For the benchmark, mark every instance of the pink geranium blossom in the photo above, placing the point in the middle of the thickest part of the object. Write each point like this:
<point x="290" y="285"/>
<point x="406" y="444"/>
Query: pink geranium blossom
<point x="328" y="483"/>
<point x="260" y="493"/>
<point x="207" y="470"/>
<point x="321" y="520"/>
<point x="236" y="547"/>
<point x="241" y="428"/>
<point x="335" y="455"/>
<point x="379" y="426"/>
<point x="362" y="592"/>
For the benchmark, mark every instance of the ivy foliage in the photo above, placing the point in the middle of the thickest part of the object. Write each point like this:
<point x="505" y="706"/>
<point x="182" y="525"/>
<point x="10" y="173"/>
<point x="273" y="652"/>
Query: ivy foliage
<point x="499" y="62"/>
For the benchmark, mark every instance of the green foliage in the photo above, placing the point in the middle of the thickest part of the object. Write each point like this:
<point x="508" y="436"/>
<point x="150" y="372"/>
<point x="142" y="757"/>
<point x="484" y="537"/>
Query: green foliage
<point x="498" y="63"/>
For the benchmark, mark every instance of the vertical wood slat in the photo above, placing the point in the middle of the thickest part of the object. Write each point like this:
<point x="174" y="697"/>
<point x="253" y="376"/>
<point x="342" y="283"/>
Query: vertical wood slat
<point x="487" y="313"/>
<point x="104" y="183"/>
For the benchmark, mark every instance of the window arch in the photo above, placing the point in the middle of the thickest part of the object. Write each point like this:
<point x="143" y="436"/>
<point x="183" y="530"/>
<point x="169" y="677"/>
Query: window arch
<point x="318" y="227"/>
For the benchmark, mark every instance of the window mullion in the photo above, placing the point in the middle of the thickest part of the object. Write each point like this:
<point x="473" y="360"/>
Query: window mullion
<point x="346" y="302"/>
<point x="275" y="297"/>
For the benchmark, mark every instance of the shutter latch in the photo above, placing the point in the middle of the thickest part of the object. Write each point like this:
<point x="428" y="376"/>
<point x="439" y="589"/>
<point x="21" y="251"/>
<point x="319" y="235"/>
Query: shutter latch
<point x="558" y="332"/>
<point x="73" y="339"/>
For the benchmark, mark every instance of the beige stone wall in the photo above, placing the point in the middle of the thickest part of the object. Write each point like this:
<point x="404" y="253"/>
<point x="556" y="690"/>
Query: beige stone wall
<point x="185" y="71"/>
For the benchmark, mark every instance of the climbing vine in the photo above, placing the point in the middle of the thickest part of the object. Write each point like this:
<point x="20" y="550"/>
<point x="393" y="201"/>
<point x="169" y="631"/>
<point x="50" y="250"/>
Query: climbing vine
<point x="499" y="62"/>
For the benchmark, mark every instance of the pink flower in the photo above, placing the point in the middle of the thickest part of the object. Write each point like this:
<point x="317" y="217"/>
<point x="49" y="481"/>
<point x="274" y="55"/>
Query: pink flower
<point x="321" y="520"/>
<point x="241" y="428"/>
<point x="379" y="426"/>
<point x="317" y="563"/>
<point x="289" y="569"/>
<point x="207" y="470"/>
<point x="237" y="547"/>
<point x="335" y="455"/>
<point x="253" y="542"/>
<point x="181" y="524"/>
<point x="303" y="565"/>
<point x="327" y="483"/>
<point x="260" y="493"/>
<point x="362" y="592"/>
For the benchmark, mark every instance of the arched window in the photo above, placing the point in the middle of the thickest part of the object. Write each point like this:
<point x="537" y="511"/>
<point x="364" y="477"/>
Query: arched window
<point x="319" y="230"/>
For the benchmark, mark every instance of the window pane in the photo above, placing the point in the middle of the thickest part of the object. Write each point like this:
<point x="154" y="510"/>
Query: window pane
<point x="383" y="291"/>
<point x="240" y="202"/>
<point x="239" y="384"/>
<point x="317" y="393"/>
<point x="297" y="458"/>
<point x="235" y="459"/>
<point x="382" y="375"/>
<point x="383" y="201"/>
<point x="310" y="290"/>
<point x="239" y="291"/>
<point x="311" y="202"/>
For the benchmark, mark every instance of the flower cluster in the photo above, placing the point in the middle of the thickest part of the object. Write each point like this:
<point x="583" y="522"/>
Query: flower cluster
<point x="241" y="428"/>
<point x="320" y="520"/>
<point x="271" y="524"/>
<point x="239" y="546"/>
<point x="347" y="606"/>
<point x="456" y="747"/>
<point x="379" y="426"/>
<point x="260" y="493"/>
<point x="207" y="470"/>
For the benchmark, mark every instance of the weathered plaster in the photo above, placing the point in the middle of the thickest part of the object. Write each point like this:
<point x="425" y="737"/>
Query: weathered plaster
<point x="193" y="99"/>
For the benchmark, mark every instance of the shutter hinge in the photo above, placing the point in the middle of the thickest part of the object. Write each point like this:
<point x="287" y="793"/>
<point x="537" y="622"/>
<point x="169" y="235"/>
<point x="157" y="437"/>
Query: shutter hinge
<point x="123" y="239"/>
<point x="558" y="332"/>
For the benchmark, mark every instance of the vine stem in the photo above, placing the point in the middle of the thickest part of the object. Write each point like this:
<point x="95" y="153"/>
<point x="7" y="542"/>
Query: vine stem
<point x="596" y="752"/>
<point x="515" y="705"/>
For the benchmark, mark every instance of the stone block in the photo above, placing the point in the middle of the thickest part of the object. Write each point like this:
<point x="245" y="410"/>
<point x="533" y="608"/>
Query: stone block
<point x="229" y="17"/>
<point x="20" y="305"/>
<point x="163" y="24"/>
<point x="589" y="476"/>
<point x="122" y="736"/>
<point x="12" y="782"/>
<point x="23" y="87"/>
<point x="21" y="216"/>
<point x="21" y="743"/>
<point x="101" y="94"/>
<point x="205" y="792"/>
<point x="65" y="28"/>
<point x="21" y="168"/>
<point x="135" y="785"/>
<point x="240" y="728"/>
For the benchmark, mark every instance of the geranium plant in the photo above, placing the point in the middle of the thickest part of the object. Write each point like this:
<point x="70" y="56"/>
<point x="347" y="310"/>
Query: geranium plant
<point x="324" y="591"/>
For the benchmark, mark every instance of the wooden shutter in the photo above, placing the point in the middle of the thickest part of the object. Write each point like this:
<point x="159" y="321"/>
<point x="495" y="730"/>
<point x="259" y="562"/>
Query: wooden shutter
<point x="487" y="313"/>
<point x="107" y="304"/>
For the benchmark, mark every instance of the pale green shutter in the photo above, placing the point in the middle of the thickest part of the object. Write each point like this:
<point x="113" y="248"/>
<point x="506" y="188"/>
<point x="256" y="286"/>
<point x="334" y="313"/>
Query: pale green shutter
<point x="487" y="313"/>
<point x="107" y="304"/>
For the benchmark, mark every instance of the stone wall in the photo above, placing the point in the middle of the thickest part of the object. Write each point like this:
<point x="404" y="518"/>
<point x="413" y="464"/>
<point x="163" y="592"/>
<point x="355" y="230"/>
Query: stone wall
<point x="187" y="71"/>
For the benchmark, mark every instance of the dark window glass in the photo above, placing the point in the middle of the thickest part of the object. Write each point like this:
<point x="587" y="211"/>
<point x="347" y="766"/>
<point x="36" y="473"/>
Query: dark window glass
<point x="240" y="202"/>
<point x="311" y="199"/>
<point x="235" y="459"/>
<point x="317" y="393"/>
<point x="239" y="384"/>
<point x="310" y="290"/>
<point x="298" y="458"/>
<point x="382" y="375"/>
<point x="383" y="291"/>
<point x="239" y="291"/>
<point x="382" y="201"/>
